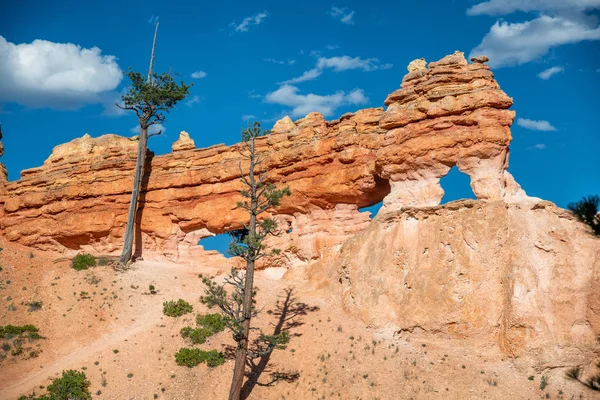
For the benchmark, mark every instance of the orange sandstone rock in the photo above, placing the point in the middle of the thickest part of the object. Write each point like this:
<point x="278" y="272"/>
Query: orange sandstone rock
<point x="446" y="113"/>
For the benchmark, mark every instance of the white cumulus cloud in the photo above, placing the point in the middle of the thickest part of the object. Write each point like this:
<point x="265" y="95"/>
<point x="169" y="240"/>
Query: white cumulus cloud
<point x="508" y="44"/>
<point x="198" y="74"/>
<point x="255" y="19"/>
<point x="302" y="104"/>
<point x="534" y="125"/>
<point x="546" y="74"/>
<point x="344" y="15"/>
<point x="503" y="7"/>
<point x="338" y="64"/>
<point x="55" y="75"/>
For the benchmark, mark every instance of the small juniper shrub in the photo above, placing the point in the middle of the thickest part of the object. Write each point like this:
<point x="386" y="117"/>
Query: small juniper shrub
<point x="192" y="357"/>
<point x="34" y="305"/>
<point x="176" y="308"/>
<point x="83" y="261"/>
<point x="208" y="325"/>
<point x="593" y="382"/>
<point x="25" y="331"/>
<point x="72" y="385"/>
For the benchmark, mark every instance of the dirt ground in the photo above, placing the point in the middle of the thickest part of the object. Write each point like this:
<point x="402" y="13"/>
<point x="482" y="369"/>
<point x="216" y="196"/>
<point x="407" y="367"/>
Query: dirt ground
<point x="106" y="323"/>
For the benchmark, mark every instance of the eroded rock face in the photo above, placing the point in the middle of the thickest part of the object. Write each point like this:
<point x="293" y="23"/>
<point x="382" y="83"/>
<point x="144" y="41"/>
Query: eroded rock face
<point x="183" y="143"/>
<point x="446" y="113"/>
<point x="524" y="277"/>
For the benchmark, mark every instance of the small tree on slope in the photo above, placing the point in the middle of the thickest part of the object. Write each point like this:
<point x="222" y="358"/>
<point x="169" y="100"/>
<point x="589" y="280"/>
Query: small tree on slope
<point x="150" y="98"/>
<point x="238" y="308"/>
<point x="587" y="210"/>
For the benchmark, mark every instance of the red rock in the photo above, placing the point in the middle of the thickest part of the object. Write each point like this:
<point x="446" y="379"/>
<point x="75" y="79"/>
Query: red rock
<point x="447" y="113"/>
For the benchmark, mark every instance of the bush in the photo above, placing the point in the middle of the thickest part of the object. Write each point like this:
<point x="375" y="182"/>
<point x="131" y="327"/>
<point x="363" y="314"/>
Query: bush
<point x="209" y="324"/>
<point x="10" y="331"/>
<point x="83" y="261"/>
<point x="212" y="322"/>
<point x="34" y="305"/>
<point x="192" y="357"/>
<point x="176" y="308"/>
<point x="73" y="385"/>
<point x="586" y="211"/>
<point x="196" y="336"/>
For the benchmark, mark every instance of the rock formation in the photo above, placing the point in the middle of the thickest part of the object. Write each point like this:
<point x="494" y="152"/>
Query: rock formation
<point x="522" y="277"/>
<point x="505" y="269"/>
<point x="445" y="114"/>
<point x="3" y="171"/>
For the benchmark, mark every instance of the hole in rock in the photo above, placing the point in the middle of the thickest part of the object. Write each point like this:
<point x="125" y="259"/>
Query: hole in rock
<point x="374" y="209"/>
<point x="456" y="185"/>
<point x="221" y="241"/>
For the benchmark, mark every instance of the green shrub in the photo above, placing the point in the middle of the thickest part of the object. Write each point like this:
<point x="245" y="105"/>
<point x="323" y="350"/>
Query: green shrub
<point x="10" y="331"/>
<point x="196" y="336"/>
<point x="34" y="305"/>
<point x="209" y="324"/>
<point x="176" y="308"/>
<point x="212" y="322"/>
<point x="192" y="357"/>
<point x="73" y="385"/>
<point x="83" y="261"/>
<point x="586" y="211"/>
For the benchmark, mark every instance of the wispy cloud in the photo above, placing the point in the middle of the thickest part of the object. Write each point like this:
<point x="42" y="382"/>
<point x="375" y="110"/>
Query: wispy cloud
<point x="558" y="23"/>
<point x="344" y="15"/>
<point x="503" y="7"/>
<point x="280" y="62"/>
<point x="345" y="63"/>
<point x="255" y="19"/>
<point x="539" y="146"/>
<point x="153" y="20"/>
<point x="306" y="76"/>
<point x="302" y="104"/>
<point x="338" y="64"/>
<point x="546" y="74"/>
<point x="193" y="100"/>
<point x="248" y="117"/>
<point x="199" y="74"/>
<point x="153" y="129"/>
<point x="253" y="95"/>
<point x="535" y="125"/>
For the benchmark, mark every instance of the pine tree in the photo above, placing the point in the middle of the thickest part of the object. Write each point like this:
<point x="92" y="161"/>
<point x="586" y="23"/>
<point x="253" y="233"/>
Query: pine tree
<point x="150" y="98"/>
<point x="238" y="308"/>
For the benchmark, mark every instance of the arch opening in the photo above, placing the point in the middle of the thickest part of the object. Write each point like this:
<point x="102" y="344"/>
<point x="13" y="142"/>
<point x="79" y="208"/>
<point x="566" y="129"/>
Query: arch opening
<point x="457" y="186"/>
<point x="222" y="241"/>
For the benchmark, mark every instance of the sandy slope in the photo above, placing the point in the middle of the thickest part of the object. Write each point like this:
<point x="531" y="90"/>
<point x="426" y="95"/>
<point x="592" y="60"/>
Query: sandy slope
<point x="333" y="355"/>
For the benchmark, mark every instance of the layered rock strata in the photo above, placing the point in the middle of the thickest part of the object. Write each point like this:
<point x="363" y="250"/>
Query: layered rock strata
<point x="446" y="113"/>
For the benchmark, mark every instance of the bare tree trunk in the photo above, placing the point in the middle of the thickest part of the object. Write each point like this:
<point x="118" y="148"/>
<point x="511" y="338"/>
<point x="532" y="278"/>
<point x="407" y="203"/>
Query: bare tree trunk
<point x="135" y="195"/>
<point x="138" y="176"/>
<point x="152" y="56"/>
<point x="242" y="347"/>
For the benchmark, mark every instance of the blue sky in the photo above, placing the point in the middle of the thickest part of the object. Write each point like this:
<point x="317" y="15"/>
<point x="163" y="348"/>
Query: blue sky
<point x="61" y="63"/>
